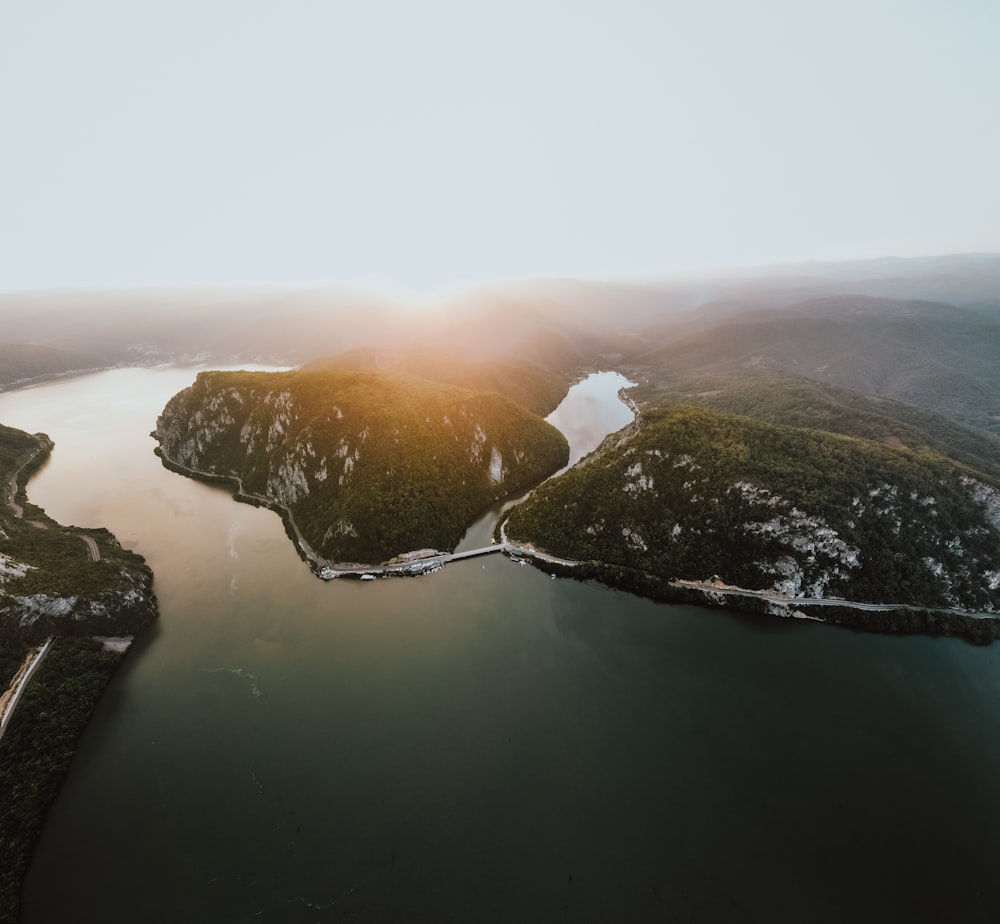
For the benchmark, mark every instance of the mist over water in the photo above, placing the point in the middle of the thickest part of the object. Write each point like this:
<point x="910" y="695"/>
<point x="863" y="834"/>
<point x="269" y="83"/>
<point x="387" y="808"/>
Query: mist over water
<point x="485" y="743"/>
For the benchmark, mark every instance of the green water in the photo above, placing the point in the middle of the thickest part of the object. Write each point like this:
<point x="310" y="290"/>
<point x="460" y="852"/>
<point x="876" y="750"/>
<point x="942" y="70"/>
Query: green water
<point x="484" y="743"/>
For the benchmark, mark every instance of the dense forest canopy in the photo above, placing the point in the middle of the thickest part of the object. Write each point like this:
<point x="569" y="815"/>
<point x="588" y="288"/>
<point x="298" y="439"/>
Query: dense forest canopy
<point x="691" y="493"/>
<point x="369" y="464"/>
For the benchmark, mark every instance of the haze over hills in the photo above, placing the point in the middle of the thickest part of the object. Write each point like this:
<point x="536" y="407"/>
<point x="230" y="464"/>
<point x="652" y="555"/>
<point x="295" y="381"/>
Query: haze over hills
<point x="804" y="431"/>
<point x="21" y="363"/>
<point x="529" y="383"/>
<point x="896" y="354"/>
<point x="541" y="319"/>
<point x="923" y="353"/>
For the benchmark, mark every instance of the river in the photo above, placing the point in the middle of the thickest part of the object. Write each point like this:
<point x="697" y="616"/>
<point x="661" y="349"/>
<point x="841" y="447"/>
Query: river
<point x="485" y="743"/>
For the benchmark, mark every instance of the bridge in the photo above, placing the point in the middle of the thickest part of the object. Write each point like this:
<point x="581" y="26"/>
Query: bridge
<point x="474" y="553"/>
<point x="431" y="562"/>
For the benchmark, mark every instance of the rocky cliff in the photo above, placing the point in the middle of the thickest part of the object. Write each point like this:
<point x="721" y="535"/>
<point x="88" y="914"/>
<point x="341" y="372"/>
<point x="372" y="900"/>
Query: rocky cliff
<point x="366" y="464"/>
<point x="689" y="493"/>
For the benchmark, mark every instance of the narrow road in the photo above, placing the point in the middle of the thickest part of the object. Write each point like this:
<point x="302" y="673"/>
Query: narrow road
<point x="782" y="600"/>
<point x="13" y="695"/>
<point x="11" y="486"/>
<point x="12" y="493"/>
<point x="95" y="552"/>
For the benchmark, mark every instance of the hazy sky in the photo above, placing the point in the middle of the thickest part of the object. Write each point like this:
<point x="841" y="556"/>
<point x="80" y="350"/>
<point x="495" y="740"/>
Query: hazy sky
<point x="422" y="143"/>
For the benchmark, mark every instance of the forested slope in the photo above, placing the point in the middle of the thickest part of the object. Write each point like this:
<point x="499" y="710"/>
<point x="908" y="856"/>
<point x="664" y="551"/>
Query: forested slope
<point x="937" y="357"/>
<point x="49" y="583"/>
<point x="690" y="493"/>
<point x="368" y="464"/>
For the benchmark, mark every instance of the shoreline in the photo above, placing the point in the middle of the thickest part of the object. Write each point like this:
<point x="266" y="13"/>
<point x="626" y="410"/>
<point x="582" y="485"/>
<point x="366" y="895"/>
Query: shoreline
<point x="891" y="618"/>
<point x="879" y="618"/>
<point x="404" y="564"/>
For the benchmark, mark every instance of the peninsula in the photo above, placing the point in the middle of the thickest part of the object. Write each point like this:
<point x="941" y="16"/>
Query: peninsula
<point x="363" y="465"/>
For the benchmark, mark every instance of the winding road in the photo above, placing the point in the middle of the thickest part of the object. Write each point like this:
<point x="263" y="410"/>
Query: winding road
<point x="11" y="492"/>
<point x="726" y="590"/>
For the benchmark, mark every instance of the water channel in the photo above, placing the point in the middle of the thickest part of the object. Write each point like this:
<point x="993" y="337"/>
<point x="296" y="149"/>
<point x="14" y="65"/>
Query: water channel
<point x="484" y="743"/>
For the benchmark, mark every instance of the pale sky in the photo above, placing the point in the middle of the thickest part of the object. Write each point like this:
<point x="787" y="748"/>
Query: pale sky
<point x="420" y="144"/>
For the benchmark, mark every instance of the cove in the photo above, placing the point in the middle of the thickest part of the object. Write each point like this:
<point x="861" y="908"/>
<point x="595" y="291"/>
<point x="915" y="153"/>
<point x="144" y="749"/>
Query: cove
<point x="485" y="743"/>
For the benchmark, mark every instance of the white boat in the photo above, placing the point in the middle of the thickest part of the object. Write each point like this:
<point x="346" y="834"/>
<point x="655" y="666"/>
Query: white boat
<point x="367" y="577"/>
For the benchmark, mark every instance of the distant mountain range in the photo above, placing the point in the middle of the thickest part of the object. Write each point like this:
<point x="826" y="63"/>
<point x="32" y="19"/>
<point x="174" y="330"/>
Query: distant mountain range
<point x="556" y="322"/>
<point x="23" y="363"/>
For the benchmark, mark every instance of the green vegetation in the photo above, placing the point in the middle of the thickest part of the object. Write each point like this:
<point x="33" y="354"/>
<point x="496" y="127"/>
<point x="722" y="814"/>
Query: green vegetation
<point x="690" y="493"/>
<point x="904" y="510"/>
<point x="38" y="747"/>
<point x="12" y="655"/>
<point x="16" y="447"/>
<point x="369" y="464"/>
<point x="49" y="583"/>
<point x="933" y="356"/>
<point x="786" y="398"/>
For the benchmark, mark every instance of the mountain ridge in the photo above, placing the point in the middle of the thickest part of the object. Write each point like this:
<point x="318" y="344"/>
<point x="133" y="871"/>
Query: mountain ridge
<point x="689" y="493"/>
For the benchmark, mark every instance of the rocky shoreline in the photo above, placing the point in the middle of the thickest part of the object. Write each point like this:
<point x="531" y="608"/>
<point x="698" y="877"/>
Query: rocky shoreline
<point x="883" y="618"/>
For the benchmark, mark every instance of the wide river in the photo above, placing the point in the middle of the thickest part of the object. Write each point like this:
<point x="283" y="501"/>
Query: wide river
<point x="487" y="744"/>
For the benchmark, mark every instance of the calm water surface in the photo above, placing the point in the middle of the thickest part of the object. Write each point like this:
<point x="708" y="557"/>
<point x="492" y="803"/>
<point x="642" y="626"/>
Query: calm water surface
<point x="484" y="743"/>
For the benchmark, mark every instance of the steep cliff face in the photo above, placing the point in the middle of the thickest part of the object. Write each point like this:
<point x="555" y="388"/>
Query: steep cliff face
<point x="690" y="493"/>
<point x="123" y="607"/>
<point x="369" y="465"/>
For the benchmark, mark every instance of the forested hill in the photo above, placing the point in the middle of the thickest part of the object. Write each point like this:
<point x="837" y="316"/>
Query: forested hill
<point x="691" y="493"/>
<point x="530" y="384"/>
<point x="50" y="583"/>
<point x="369" y="464"/>
<point x="934" y="356"/>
